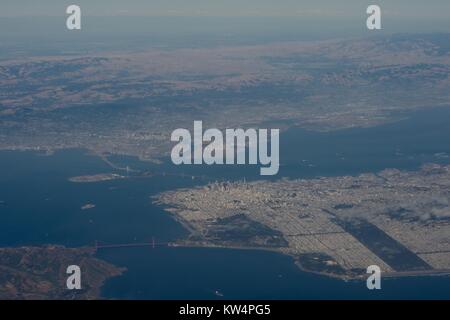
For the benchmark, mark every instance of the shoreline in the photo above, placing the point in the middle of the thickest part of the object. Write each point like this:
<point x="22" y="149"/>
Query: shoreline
<point x="346" y="278"/>
<point x="185" y="243"/>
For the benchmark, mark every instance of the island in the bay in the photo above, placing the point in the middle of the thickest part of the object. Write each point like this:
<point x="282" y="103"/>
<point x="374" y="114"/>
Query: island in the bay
<point x="35" y="273"/>
<point x="96" y="178"/>
<point x="337" y="226"/>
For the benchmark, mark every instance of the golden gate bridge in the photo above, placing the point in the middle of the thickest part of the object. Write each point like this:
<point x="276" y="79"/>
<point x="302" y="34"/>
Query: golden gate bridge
<point x="152" y="244"/>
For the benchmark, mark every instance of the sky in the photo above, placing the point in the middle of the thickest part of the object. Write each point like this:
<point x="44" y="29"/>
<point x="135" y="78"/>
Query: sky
<point x="40" y="25"/>
<point x="427" y="9"/>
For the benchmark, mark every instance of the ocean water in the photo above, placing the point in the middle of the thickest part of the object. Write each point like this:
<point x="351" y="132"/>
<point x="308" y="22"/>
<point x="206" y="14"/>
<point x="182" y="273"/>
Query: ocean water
<point x="40" y="206"/>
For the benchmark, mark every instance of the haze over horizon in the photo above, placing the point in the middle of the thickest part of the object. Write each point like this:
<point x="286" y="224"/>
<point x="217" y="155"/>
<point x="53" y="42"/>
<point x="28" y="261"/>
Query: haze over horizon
<point x="433" y="9"/>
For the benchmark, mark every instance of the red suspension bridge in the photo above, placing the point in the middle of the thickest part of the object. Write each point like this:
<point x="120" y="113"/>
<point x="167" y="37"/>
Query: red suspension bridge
<point x="152" y="244"/>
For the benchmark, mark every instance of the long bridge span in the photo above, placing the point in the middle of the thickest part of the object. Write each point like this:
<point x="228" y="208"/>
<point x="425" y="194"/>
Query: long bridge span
<point x="152" y="244"/>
